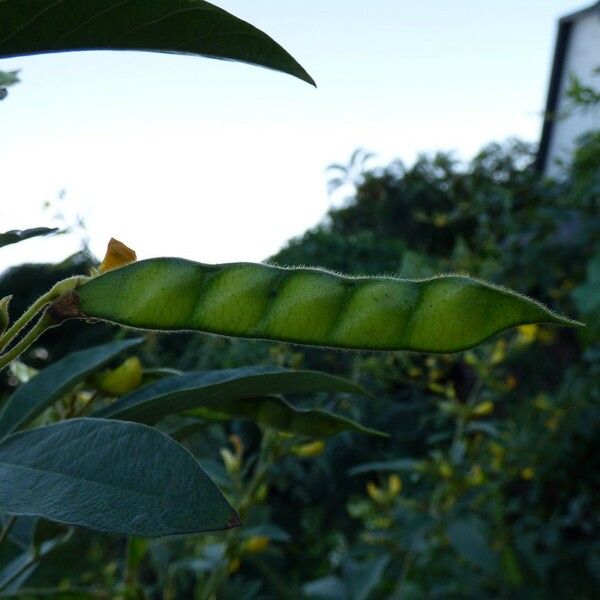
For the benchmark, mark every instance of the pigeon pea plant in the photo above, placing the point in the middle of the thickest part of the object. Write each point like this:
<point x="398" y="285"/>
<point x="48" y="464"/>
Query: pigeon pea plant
<point x="114" y="465"/>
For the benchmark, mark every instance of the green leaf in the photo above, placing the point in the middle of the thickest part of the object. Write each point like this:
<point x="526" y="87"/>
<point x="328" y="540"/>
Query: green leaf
<point x="173" y="26"/>
<point x="274" y="412"/>
<point x="18" y="235"/>
<point x="218" y="389"/>
<point x="113" y="476"/>
<point x="362" y="577"/>
<point x="399" y="464"/>
<point x="326" y="588"/>
<point x="8" y="78"/>
<point x="54" y="381"/>
<point x="308" y="306"/>
<point x="468" y="537"/>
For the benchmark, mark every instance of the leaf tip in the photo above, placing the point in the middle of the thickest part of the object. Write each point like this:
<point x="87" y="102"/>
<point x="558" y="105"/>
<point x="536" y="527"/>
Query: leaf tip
<point x="234" y="521"/>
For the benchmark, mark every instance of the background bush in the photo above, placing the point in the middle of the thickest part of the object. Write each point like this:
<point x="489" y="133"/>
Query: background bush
<point x="488" y="484"/>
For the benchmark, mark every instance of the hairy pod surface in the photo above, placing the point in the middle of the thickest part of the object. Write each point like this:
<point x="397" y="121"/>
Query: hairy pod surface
<point x="308" y="305"/>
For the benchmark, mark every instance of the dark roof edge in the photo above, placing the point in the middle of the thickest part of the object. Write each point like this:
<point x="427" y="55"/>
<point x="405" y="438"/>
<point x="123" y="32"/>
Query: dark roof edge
<point x="560" y="51"/>
<point x="580" y="13"/>
<point x="565" y="25"/>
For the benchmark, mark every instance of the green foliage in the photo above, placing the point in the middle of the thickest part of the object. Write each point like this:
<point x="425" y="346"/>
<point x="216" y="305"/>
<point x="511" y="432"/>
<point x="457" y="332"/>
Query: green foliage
<point x="16" y="235"/>
<point x="218" y="389"/>
<point x="474" y="492"/>
<point x="40" y="392"/>
<point x="176" y="26"/>
<point x="7" y="79"/>
<point x="146" y="483"/>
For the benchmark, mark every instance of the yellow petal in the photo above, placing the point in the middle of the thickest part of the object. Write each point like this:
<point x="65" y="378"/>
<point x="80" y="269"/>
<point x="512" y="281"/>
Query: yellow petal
<point x="309" y="450"/>
<point x="483" y="409"/>
<point x="117" y="255"/>
<point x="528" y="473"/>
<point x="257" y="543"/>
<point x="394" y="485"/>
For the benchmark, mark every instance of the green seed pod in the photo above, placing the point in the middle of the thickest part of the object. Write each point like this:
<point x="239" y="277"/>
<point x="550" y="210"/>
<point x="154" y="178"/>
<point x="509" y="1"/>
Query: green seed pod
<point x="4" y="316"/>
<point x="308" y="306"/>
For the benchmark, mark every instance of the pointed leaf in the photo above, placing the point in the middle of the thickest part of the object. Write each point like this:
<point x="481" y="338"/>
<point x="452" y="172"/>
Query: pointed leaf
<point x="274" y="412"/>
<point x="18" y="235"/>
<point x="54" y="381"/>
<point x="399" y="464"/>
<point x="113" y="476"/>
<point x="468" y="537"/>
<point x="174" y="26"/>
<point x="213" y="389"/>
<point x="309" y="306"/>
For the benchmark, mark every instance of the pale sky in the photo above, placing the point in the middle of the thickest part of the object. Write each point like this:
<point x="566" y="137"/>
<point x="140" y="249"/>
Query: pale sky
<point x="217" y="162"/>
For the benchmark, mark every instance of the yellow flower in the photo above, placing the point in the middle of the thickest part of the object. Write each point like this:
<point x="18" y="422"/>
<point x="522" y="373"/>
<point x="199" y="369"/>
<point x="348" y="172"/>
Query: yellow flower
<point x="483" y="409"/>
<point x="375" y="493"/>
<point x="437" y="388"/>
<point x="394" y="485"/>
<point x="499" y="352"/>
<point x="527" y="333"/>
<point x="309" y="450"/>
<point x="445" y="469"/>
<point x="231" y="462"/>
<point x="541" y="403"/>
<point x="126" y="377"/>
<point x="255" y="544"/>
<point x="234" y="565"/>
<point x="440" y="220"/>
<point x="528" y="473"/>
<point x="475" y="476"/>
<point x="117" y="255"/>
<point x="511" y="382"/>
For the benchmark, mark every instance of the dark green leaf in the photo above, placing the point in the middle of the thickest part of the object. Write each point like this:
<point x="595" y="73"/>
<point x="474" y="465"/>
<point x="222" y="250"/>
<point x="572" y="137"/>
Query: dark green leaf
<point x="400" y="464"/>
<point x="113" y="476"/>
<point x="209" y="389"/>
<point x="274" y="412"/>
<point x="18" y="235"/>
<point x="362" y="577"/>
<point x="326" y="588"/>
<point x="8" y="78"/>
<point x="174" y="26"/>
<point x="54" y="381"/>
<point x="468" y="537"/>
<point x="184" y="429"/>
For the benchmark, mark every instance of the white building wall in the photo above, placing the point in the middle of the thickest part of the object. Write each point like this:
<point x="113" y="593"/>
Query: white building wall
<point x="582" y="57"/>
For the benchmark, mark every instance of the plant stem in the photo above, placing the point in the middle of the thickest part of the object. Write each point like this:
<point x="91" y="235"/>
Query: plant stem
<point x="263" y="464"/>
<point x="7" y="527"/>
<point x="32" y="560"/>
<point x="60" y="288"/>
<point x="210" y="588"/>
<point x="45" y="322"/>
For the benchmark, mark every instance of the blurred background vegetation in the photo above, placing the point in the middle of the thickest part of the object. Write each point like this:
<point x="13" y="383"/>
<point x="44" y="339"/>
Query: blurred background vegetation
<point x="488" y="486"/>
